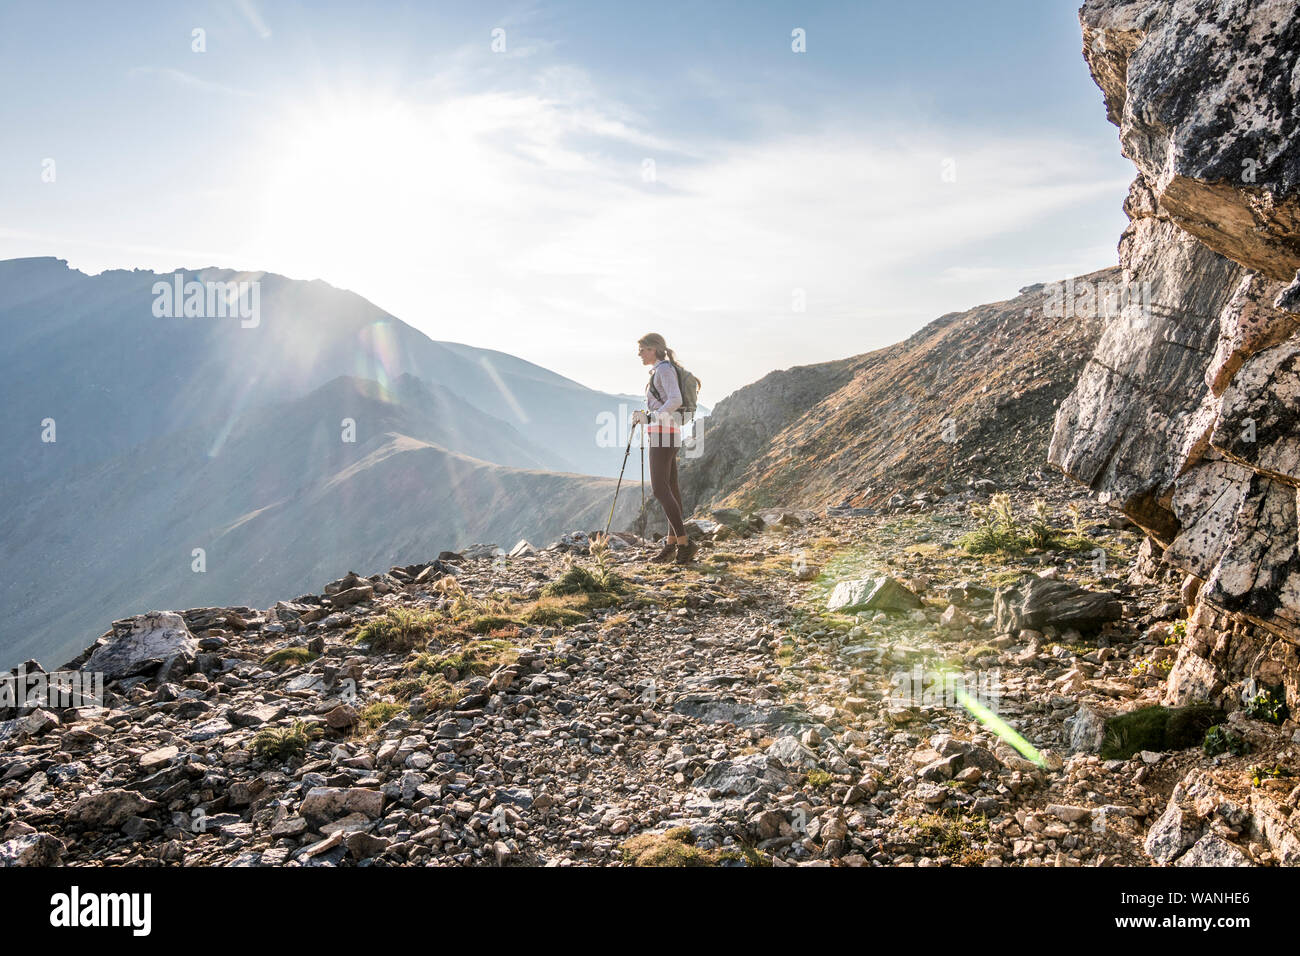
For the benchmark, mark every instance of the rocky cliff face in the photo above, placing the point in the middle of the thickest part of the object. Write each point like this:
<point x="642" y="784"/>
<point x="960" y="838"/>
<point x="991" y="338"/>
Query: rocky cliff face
<point x="1185" y="417"/>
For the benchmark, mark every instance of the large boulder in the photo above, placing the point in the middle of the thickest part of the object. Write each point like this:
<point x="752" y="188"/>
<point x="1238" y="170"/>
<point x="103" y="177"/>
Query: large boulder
<point x="140" y="644"/>
<point x="872" y="594"/>
<point x="1204" y="95"/>
<point x="1038" y="603"/>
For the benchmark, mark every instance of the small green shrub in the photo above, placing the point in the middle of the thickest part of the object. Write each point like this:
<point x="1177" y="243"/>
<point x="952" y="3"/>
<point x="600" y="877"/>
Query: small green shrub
<point x="1040" y="533"/>
<point x="1259" y="774"/>
<point x="951" y="836"/>
<point x="489" y="622"/>
<point x="1267" y="706"/>
<point x="477" y="657"/>
<point x="1001" y="530"/>
<point x="819" y="779"/>
<point x="283" y="743"/>
<point x="1219" y="739"/>
<point x="404" y="688"/>
<point x="676" y="847"/>
<point x="1157" y="728"/>
<point x="578" y="579"/>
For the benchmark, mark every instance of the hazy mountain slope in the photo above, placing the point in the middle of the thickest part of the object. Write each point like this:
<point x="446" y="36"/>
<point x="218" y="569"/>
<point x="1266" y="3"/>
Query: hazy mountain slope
<point x="88" y="352"/>
<point x="119" y="539"/>
<point x="854" y="431"/>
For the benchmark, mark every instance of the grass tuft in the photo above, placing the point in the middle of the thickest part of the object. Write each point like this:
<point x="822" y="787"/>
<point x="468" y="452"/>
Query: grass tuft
<point x="397" y="631"/>
<point x="289" y="657"/>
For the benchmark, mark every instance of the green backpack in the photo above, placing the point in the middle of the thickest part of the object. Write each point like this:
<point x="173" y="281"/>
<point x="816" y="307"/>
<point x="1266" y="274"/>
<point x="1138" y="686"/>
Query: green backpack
<point x="690" y="389"/>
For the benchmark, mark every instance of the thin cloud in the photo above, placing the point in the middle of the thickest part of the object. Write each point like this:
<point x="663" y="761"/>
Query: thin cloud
<point x="254" y="18"/>
<point x="189" y="79"/>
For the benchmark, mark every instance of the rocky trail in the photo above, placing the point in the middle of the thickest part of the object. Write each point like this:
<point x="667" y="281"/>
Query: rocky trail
<point x="579" y="706"/>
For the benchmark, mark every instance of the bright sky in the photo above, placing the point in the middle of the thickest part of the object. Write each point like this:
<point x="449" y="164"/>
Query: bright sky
<point x="615" y="169"/>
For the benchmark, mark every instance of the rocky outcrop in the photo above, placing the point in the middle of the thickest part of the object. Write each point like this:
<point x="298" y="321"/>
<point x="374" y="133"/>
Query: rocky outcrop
<point x="1185" y="417"/>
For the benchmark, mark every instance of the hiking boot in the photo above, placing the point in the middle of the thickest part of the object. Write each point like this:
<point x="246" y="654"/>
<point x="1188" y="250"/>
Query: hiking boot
<point x="686" y="552"/>
<point x="666" y="553"/>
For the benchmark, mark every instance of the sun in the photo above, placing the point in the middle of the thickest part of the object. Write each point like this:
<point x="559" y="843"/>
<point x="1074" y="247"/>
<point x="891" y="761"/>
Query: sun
<point x="354" y="177"/>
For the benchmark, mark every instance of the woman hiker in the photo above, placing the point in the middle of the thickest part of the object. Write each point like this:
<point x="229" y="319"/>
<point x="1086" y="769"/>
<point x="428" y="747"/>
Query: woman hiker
<point x="663" y="396"/>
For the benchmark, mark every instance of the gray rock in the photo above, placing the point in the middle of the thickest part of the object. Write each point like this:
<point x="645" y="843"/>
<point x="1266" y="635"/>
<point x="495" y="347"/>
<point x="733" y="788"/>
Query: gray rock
<point x="1037" y="603"/>
<point x="792" y="754"/>
<point x="32" y="849"/>
<point x="476" y="551"/>
<point x="252" y="715"/>
<point x="733" y="518"/>
<point x="872" y="594"/>
<point x="1087" y="729"/>
<point x="932" y="793"/>
<point x="365" y="845"/>
<point x="156" y="758"/>
<point x="140" y="644"/>
<point x="1068" y="813"/>
<point x="745" y="776"/>
<point x="716" y="708"/>
<point x="324" y="804"/>
<point x="1173" y="833"/>
<point x="1213" y="850"/>
<point x="352" y="596"/>
<point x="945" y="768"/>
<point x="208" y="729"/>
<point x="1178" y="416"/>
<point x="109" y="809"/>
<point x="37" y="722"/>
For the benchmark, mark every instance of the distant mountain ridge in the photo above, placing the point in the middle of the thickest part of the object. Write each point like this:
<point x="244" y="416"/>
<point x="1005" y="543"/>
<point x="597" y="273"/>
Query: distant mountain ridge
<point x="91" y="347"/>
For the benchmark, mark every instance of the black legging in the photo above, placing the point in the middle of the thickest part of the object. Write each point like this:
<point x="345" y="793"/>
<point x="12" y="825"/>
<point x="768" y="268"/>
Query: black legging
<point x="663" y="480"/>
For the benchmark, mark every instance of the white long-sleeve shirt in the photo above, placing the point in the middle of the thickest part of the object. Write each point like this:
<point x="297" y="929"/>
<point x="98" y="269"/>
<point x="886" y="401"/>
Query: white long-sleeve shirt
<point x="665" y="382"/>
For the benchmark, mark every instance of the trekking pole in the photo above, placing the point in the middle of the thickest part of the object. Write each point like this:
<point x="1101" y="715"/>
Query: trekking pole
<point x="641" y="522"/>
<point x="627" y="451"/>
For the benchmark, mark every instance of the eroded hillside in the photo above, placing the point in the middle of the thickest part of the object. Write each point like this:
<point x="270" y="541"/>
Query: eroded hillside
<point x="971" y="395"/>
